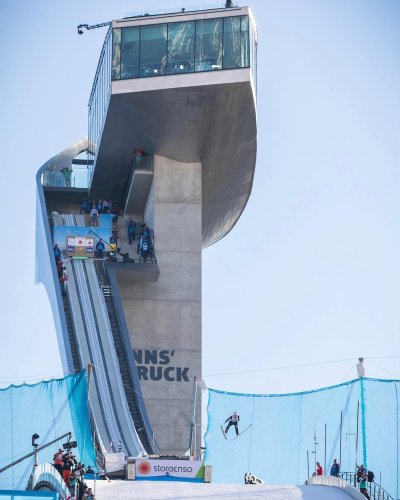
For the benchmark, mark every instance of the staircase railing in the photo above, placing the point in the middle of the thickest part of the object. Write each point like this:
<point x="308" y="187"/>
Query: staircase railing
<point x="375" y="491"/>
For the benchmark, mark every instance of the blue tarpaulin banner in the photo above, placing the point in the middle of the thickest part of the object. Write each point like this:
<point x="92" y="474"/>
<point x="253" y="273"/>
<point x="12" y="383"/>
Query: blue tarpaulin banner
<point x="279" y="429"/>
<point x="50" y="409"/>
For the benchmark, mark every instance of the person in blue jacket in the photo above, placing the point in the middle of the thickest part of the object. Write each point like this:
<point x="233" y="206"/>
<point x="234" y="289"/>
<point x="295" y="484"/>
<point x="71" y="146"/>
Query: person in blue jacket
<point x="100" y="249"/>
<point x="57" y="253"/>
<point x="335" y="468"/>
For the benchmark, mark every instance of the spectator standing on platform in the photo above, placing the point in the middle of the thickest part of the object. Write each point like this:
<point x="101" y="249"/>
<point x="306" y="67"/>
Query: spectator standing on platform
<point x="114" y="231"/>
<point x="131" y="230"/>
<point x="73" y="481"/>
<point x="360" y="472"/>
<point x="363" y="484"/>
<point x="94" y="214"/>
<point x="57" y="253"/>
<point x="100" y="248"/>
<point x="84" y="207"/>
<point x="335" y="468"/>
<point x="67" y="173"/>
<point x="67" y="468"/>
<point x="58" y="461"/>
<point x="319" y="471"/>
<point x="144" y="248"/>
<point x="146" y="232"/>
<point x="138" y="155"/>
<point x="60" y="271"/>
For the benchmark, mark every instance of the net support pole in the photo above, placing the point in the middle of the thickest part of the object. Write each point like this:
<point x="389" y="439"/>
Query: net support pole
<point x="355" y="469"/>
<point x="325" y="452"/>
<point x="192" y="438"/>
<point x="361" y="374"/>
<point x="363" y="426"/>
<point x="340" y="438"/>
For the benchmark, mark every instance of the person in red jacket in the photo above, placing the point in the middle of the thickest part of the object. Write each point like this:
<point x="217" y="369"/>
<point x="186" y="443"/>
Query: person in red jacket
<point x="319" y="470"/>
<point x="58" y="461"/>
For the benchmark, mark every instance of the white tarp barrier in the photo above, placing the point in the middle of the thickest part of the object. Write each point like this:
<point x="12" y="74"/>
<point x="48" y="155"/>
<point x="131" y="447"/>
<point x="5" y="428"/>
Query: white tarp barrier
<point x="114" y="462"/>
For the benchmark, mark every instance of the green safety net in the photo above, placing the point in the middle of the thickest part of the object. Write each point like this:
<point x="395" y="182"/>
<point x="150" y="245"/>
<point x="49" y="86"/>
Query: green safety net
<point x="50" y="409"/>
<point x="356" y="423"/>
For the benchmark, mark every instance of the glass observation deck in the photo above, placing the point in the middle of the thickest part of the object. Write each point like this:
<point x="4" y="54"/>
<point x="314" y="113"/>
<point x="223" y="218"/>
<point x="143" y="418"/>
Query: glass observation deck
<point x="77" y="174"/>
<point x="176" y="43"/>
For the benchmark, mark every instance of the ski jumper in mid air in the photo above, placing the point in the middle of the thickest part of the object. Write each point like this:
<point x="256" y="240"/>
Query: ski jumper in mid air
<point x="233" y="420"/>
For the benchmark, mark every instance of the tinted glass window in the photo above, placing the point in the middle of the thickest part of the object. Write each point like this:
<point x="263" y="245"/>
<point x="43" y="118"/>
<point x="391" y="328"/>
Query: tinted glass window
<point x="208" y="44"/>
<point x="181" y="47"/>
<point x="153" y="50"/>
<point x="244" y="42"/>
<point x="130" y="52"/>
<point x="231" y="42"/>
<point x="116" y="54"/>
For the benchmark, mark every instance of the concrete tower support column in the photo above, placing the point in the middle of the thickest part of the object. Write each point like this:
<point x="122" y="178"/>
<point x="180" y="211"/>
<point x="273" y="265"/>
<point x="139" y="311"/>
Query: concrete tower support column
<point x="164" y="318"/>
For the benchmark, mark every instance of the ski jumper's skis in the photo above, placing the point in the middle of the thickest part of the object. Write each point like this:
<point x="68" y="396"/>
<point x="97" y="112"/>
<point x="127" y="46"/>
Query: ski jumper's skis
<point x="241" y="433"/>
<point x="223" y="432"/>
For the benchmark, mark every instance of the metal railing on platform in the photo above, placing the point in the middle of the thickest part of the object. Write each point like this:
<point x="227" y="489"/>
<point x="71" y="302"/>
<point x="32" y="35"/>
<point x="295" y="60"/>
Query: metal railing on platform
<point x="375" y="490"/>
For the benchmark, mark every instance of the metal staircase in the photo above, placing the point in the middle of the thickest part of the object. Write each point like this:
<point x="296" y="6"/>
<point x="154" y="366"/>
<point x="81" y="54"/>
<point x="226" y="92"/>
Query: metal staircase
<point x="71" y="333"/>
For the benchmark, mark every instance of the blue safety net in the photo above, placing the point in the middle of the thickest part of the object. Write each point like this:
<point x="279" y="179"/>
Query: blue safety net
<point x="356" y="423"/>
<point x="50" y="409"/>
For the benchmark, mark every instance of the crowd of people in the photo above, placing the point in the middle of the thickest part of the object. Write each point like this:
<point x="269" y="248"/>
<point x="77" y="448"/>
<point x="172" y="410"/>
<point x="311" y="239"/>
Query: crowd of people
<point x="145" y="239"/>
<point x="102" y="207"/>
<point x="138" y="233"/>
<point x="73" y="474"/>
<point x="141" y="234"/>
<point x="95" y="208"/>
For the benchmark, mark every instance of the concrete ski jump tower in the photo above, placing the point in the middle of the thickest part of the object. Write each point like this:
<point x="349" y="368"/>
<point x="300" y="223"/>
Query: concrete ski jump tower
<point x="180" y="87"/>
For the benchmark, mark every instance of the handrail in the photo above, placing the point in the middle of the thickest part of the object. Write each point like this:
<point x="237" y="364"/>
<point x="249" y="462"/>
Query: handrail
<point x="46" y="474"/>
<point x="335" y="482"/>
<point x="375" y="491"/>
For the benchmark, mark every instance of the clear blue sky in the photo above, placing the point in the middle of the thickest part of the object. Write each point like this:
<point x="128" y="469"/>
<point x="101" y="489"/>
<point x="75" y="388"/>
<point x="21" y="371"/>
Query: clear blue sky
<point x="311" y="272"/>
